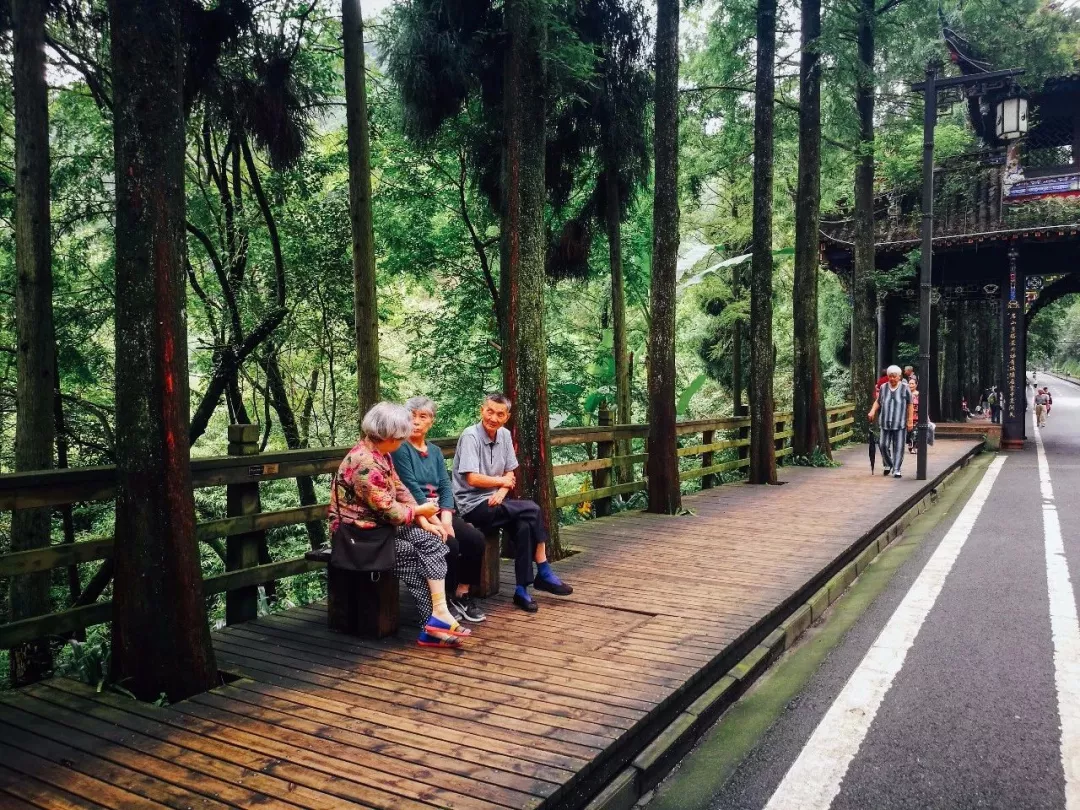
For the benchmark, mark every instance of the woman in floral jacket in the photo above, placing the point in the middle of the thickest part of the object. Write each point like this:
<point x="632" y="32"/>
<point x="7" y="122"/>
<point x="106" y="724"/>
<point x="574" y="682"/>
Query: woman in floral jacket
<point x="368" y="494"/>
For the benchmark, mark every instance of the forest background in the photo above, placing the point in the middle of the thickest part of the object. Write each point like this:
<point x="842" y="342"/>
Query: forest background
<point x="270" y="317"/>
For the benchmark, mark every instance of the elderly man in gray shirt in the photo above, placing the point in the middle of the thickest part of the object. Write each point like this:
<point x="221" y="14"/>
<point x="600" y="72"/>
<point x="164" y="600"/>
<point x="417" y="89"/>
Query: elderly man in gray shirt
<point x="484" y="465"/>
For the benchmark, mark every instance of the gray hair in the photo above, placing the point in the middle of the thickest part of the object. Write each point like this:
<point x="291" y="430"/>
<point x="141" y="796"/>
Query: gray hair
<point x="498" y="397"/>
<point x="387" y="420"/>
<point x="893" y="370"/>
<point x="421" y="404"/>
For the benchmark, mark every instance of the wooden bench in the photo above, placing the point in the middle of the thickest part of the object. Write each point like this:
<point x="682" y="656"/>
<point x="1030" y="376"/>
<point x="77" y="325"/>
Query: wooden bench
<point x="368" y="604"/>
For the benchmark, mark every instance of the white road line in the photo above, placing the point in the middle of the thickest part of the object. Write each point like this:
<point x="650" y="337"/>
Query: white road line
<point x="1065" y="630"/>
<point x="813" y="780"/>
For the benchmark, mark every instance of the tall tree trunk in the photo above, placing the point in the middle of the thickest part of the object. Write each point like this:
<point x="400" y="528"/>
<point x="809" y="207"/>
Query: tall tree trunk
<point x="809" y="395"/>
<point x="762" y="416"/>
<point x="522" y="252"/>
<point x="67" y="513"/>
<point x="29" y="594"/>
<point x="160" y="637"/>
<point x="662" y="467"/>
<point x="623" y="414"/>
<point x="279" y="398"/>
<point x="987" y="342"/>
<point x="864" y="295"/>
<point x="365" y="308"/>
<point x="932" y="387"/>
<point x="950" y="395"/>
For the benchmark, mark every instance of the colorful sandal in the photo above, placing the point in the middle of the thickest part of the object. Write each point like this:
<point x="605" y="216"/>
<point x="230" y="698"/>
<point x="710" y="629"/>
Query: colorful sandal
<point x="439" y="628"/>
<point x="427" y="640"/>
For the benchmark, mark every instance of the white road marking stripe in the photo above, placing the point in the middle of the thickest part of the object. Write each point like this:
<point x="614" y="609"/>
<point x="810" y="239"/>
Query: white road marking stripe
<point x="813" y="780"/>
<point x="1065" y="630"/>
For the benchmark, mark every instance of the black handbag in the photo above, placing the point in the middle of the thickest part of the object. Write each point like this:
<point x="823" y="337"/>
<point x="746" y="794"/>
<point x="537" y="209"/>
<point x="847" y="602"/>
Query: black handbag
<point x="356" y="549"/>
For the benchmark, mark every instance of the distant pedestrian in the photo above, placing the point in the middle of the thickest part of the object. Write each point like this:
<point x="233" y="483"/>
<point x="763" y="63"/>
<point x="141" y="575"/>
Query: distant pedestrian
<point x="1041" y="401"/>
<point x="995" y="405"/>
<point x="913" y="384"/>
<point x="894" y="402"/>
<point x="883" y="378"/>
<point x="1049" y="399"/>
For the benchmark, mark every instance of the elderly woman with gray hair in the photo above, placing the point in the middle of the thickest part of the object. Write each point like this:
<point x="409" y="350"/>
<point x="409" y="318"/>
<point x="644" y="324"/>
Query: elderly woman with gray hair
<point x="897" y="408"/>
<point x="423" y="470"/>
<point x="368" y="498"/>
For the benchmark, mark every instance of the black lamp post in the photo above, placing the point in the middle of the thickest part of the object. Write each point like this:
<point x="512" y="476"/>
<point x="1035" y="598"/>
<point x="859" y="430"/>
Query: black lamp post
<point x="936" y="91"/>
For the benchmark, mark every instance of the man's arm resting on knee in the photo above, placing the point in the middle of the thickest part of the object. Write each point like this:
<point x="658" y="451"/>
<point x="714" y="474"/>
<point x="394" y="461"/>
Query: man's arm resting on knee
<point x="480" y="481"/>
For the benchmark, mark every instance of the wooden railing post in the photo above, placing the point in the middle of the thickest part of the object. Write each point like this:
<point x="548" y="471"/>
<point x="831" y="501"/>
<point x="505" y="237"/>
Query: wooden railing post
<point x="778" y="444"/>
<point x="242" y="550"/>
<point x="707" y="437"/>
<point x="601" y="479"/>
<point x="741" y="412"/>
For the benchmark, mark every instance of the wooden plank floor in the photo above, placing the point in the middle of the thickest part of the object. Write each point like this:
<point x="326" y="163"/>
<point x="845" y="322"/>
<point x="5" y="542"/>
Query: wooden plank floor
<point x="516" y="720"/>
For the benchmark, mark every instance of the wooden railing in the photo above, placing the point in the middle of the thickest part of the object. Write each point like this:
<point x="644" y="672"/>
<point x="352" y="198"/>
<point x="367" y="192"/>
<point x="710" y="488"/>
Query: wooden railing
<point x="243" y="528"/>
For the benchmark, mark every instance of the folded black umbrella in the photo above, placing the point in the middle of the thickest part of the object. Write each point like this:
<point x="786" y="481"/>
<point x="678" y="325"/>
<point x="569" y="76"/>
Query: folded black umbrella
<point x="886" y="460"/>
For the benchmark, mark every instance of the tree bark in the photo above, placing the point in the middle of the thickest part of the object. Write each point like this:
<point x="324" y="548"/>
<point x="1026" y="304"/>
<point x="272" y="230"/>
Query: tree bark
<point x="67" y="513"/>
<point x="623" y="404"/>
<point x="662" y="467"/>
<point x="762" y="410"/>
<point x="810" y="432"/>
<point x="522" y="253"/>
<point x="160" y="637"/>
<point x="864" y="295"/>
<point x="35" y="342"/>
<point x="365" y="306"/>
<point x="932" y="388"/>
<point x="950" y="394"/>
<point x="279" y="398"/>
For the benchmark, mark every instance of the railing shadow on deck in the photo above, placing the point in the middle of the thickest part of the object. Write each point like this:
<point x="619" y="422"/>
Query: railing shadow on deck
<point x="243" y="471"/>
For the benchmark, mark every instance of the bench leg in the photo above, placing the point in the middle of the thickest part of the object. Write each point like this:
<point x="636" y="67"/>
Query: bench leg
<point x="489" y="567"/>
<point x="360" y="607"/>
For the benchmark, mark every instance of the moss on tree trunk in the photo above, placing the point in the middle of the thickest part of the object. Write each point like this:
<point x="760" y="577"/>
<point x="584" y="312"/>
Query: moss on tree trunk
<point x="365" y="308"/>
<point x="523" y="251"/>
<point x="36" y="345"/>
<point x="810" y="432"/>
<point x="662" y="467"/>
<point x="863" y="289"/>
<point x="160" y="637"/>
<point x="762" y="416"/>
<point x="623" y="411"/>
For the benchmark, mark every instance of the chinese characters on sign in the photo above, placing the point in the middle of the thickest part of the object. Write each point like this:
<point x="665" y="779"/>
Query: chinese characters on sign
<point x="1012" y="319"/>
<point x="1011" y="369"/>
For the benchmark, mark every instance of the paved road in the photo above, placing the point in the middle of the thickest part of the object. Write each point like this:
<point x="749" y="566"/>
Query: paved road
<point x="960" y="686"/>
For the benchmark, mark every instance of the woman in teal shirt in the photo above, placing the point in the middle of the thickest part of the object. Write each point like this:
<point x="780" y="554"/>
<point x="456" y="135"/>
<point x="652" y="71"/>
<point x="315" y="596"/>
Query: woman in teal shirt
<point x="422" y="468"/>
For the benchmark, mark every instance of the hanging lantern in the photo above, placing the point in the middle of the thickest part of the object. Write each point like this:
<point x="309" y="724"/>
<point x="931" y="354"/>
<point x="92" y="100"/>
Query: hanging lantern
<point x="1012" y="118"/>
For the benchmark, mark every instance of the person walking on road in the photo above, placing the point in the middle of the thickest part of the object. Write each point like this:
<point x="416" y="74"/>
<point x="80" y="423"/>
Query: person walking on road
<point x="1042" y="399"/>
<point x="897" y="408"/>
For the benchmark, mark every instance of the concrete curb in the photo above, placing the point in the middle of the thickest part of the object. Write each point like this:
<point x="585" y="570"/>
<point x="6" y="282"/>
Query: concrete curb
<point x="673" y="742"/>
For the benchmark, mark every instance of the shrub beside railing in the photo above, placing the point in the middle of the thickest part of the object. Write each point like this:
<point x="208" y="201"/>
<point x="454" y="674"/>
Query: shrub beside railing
<point x="245" y="468"/>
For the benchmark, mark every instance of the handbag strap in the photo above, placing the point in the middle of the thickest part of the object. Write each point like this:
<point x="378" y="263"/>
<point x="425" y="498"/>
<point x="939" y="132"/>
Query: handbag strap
<point x="333" y="497"/>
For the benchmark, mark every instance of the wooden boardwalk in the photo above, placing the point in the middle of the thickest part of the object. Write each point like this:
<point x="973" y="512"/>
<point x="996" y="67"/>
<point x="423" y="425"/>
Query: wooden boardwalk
<point x="537" y="711"/>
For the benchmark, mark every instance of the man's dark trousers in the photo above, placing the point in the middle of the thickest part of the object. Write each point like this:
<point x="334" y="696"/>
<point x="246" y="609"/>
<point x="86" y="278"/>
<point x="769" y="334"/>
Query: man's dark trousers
<point x="465" y="556"/>
<point x="525" y="526"/>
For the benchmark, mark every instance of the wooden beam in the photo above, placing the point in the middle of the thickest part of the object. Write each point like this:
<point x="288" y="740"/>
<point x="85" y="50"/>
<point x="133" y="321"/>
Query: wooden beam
<point x="593" y="494"/>
<point x="57" y="556"/>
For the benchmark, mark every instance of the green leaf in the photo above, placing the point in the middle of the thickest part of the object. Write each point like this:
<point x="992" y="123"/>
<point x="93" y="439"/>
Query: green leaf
<point x="592" y="402"/>
<point x="695" y="385"/>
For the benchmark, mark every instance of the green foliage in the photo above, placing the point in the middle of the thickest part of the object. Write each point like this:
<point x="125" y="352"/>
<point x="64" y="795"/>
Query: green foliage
<point x="818" y="459"/>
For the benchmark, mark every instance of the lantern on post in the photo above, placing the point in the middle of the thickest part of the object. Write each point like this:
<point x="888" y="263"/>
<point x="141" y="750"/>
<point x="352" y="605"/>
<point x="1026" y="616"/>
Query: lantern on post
<point x="1012" y="118"/>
